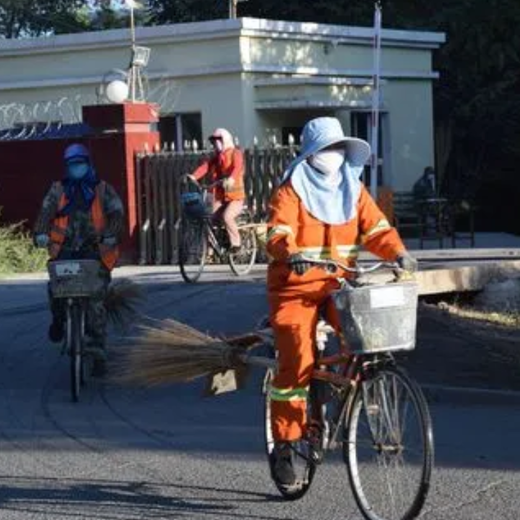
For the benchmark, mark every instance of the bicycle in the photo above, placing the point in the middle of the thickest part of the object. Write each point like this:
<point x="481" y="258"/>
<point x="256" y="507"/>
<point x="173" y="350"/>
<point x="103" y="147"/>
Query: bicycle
<point x="360" y="400"/>
<point x="76" y="281"/>
<point x="199" y="234"/>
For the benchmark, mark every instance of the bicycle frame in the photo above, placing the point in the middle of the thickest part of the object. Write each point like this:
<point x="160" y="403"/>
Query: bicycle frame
<point x="213" y="241"/>
<point x="353" y="371"/>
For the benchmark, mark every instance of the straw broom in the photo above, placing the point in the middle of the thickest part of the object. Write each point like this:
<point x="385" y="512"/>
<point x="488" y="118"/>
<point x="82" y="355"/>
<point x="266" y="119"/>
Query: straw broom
<point x="121" y="302"/>
<point x="174" y="352"/>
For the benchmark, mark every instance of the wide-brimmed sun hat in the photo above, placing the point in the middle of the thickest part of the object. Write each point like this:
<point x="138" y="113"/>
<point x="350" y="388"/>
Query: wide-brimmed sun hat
<point x="322" y="132"/>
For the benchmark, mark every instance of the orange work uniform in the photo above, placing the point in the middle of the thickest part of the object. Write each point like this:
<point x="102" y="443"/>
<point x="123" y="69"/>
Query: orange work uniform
<point x="295" y="300"/>
<point x="109" y="254"/>
<point x="228" y="163"/>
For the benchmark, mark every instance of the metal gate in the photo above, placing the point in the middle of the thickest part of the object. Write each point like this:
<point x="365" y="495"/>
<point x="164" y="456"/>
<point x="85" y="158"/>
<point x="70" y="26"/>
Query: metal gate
<point x="158" y="178"/>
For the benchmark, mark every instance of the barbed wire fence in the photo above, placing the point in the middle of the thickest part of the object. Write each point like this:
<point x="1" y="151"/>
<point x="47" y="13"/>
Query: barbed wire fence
<point x="62" y="117"/>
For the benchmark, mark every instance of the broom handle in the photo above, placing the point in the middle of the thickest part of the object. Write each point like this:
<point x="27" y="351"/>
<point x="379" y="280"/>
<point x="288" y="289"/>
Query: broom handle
<point x="258" y="360"/>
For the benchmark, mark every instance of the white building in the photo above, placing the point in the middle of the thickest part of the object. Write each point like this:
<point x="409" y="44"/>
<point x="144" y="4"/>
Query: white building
<point x="258" y="78"/>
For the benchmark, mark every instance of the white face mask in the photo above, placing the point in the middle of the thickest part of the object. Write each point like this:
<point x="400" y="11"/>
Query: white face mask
<point x="328" y="162"/>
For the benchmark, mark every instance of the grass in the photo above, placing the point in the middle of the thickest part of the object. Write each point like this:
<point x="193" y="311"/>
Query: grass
<point x="506" y="318"/>
<point x="18" y="253"/>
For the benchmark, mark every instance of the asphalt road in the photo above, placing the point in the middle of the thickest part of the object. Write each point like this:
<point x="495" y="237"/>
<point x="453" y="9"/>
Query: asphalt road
<point x="131" y="453"/>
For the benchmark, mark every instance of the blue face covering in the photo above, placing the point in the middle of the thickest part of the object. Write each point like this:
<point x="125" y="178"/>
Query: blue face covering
<point x="80" y="178"/>
<point x="77" y="170"/>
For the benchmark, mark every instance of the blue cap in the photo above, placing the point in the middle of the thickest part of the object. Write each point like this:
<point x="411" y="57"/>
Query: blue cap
<point x="76" y="151"/>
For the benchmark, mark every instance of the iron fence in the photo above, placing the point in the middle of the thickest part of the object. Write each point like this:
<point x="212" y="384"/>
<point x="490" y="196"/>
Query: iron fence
<point x="158" y="178"/>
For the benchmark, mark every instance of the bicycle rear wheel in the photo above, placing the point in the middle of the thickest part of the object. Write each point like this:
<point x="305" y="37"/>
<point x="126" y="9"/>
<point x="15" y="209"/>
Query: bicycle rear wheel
<point x="76" y="361"/>
<point x="304" y="467"/>
<point x="242" y="262"/>
<point x="193" y="246"/>
<point x="388" y="446"/>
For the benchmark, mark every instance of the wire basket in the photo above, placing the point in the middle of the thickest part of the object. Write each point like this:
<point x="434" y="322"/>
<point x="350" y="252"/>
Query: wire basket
<point x="194" y="205"/>
<point x="75" y="278"/>
<point x="378" y="318"/>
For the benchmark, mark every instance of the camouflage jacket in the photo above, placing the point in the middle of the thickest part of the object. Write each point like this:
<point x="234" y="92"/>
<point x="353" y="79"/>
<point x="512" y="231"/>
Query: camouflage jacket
<point x="81" y="237"/>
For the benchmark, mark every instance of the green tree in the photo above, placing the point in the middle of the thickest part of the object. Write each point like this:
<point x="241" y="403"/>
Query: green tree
<point x="20" y="18"/>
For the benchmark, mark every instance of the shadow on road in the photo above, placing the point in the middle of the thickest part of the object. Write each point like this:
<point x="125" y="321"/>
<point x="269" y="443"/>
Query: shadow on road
<point x="109" y="499"/>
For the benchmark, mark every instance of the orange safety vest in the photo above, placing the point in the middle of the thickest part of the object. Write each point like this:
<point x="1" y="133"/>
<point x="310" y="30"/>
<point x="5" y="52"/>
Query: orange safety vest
<point x="109" y="254"/>
<point x="222" y="166"/>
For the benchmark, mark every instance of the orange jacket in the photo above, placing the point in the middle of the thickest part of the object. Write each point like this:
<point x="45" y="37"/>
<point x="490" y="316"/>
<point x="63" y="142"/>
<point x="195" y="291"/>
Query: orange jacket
<point x="109" y="254"/>
<point x="292" y="229"/>
<point x="229" y="163"/>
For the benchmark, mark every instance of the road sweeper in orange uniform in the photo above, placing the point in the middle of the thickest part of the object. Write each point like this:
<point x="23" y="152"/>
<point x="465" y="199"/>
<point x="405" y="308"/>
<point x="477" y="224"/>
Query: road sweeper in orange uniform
<point x="321" y="211"/>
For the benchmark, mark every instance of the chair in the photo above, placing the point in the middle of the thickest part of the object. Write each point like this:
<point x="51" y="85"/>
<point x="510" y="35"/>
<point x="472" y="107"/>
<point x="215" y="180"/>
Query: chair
<point x="462" y="213"/>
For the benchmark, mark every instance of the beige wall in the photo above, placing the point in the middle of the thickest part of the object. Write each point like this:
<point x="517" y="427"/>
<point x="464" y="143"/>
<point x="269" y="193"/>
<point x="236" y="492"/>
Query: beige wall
<point x="411" y="130"/>
<point x="326" y="56"/>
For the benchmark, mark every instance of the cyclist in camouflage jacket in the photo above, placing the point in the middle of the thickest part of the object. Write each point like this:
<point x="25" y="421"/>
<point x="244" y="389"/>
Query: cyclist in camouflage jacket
<point x="81" y="218"/>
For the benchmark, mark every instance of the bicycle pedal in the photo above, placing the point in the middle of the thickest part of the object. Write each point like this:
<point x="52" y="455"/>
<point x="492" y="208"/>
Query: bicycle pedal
<point x="316" y="455"/>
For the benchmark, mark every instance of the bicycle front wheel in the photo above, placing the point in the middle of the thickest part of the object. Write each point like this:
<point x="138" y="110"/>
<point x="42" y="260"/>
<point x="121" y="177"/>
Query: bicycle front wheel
<point x="193" y="246"/>
<point x="242" y="262"/>
<point x="76" y="360"/>
<point x="388" y="446"/>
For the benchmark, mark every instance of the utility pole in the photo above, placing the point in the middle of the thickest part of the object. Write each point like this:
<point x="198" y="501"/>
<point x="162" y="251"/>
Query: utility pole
<point x="374" y="119"/>
<point x="233" y="8"/>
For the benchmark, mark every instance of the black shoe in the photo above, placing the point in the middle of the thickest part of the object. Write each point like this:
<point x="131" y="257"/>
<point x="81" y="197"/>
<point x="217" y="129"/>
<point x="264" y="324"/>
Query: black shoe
<point x="234" y="250"/>
<point x="56" y="331"/>
<point x="283" y="471"/>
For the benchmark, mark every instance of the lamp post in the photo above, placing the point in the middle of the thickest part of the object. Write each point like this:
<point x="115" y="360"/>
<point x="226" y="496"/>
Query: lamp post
<point x="233" y="7"/>
<point x="374" y="120"/>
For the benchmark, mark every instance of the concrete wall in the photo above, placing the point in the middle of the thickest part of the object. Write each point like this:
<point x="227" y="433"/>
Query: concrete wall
<point x="411" y="130"/>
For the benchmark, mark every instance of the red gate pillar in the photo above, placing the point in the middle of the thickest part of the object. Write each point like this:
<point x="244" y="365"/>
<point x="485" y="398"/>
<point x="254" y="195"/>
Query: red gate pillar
<point x="119" y="132"/>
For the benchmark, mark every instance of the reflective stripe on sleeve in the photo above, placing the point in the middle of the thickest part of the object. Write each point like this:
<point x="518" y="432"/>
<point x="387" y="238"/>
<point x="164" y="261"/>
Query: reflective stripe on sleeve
<point x="279" y="230"/>
<point x="382" y="225"/>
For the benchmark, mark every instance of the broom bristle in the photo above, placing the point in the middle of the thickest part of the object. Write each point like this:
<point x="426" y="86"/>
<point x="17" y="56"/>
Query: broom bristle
<point x="123" y="298"/>
<point x="174" y="352"/>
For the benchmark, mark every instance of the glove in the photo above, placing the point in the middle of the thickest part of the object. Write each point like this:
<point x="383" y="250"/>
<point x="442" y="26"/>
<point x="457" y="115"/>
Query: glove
<point x="41" y="240"/>
<point x="406" y="262"/>
<point x="228" y="183"/>
<point x="109" y="241"/>
<point x="298" y="264"/>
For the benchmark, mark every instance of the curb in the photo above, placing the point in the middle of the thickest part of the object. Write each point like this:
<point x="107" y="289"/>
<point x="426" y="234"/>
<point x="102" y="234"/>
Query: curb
<point x="468" y="395"/>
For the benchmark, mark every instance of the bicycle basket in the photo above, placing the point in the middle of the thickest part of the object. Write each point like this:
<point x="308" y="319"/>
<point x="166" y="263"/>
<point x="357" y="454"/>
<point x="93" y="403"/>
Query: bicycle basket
<point x="75" y="278"/>
<point x="193" y="204"/>
<point x="378" y="318"/>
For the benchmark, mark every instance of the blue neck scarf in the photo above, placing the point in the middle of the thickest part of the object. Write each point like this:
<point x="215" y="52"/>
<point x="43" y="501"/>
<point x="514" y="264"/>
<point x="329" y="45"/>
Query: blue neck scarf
<point x="85" y="188"/>
<point x="330" y="203"/>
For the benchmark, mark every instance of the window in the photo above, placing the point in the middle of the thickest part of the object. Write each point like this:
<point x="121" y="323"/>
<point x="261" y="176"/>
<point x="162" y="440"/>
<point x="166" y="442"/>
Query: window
<point x="179" y="128"/>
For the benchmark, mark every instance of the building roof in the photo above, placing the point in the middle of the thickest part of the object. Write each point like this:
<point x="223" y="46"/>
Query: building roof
<point x="223" y="29"/>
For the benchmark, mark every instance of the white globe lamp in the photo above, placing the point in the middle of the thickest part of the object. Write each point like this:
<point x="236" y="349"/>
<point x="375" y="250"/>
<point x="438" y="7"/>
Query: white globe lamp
<point x="117" y="91"/>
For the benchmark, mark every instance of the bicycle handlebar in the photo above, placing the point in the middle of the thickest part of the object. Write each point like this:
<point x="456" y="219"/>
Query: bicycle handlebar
<point x="201" y="186"/>
<point x="359" y="270"/>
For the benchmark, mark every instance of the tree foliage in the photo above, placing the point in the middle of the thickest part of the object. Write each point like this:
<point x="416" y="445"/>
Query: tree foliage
<point x="20" y="18"/>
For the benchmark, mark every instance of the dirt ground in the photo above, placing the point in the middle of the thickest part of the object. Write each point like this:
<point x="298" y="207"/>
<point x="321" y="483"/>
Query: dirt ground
<point x="457" y="351"/>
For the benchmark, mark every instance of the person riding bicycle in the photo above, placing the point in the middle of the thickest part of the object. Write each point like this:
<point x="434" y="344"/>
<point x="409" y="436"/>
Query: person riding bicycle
<point x="226" y="165"/>
<point x="81" y="218"/>
<point x="320" y="211"/>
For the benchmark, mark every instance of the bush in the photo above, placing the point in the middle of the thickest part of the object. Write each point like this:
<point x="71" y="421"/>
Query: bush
<point x="17" y="251"/>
